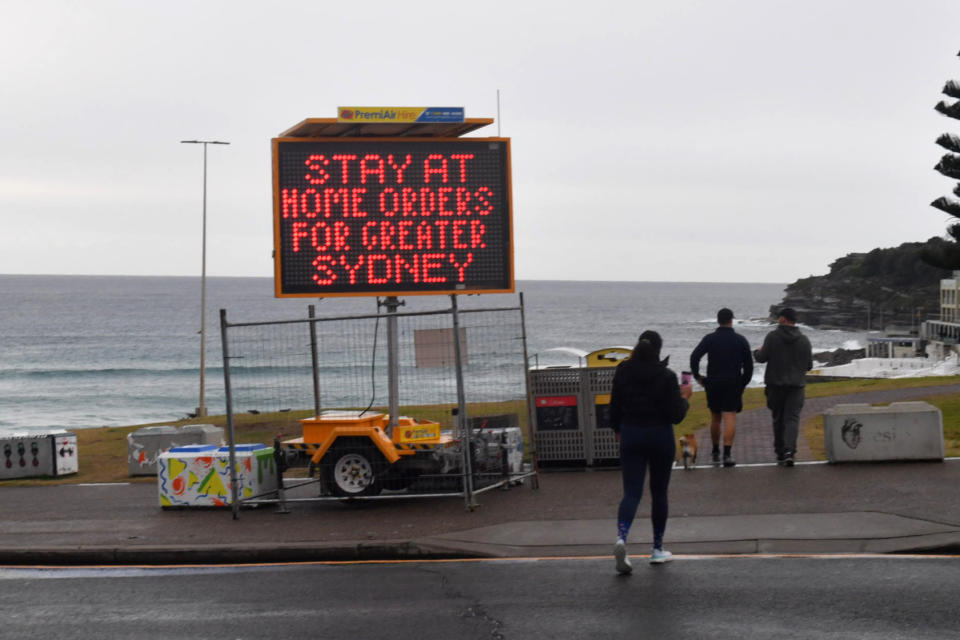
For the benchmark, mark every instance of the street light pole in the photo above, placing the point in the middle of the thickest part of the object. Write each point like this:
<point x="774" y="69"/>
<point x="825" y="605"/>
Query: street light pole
<point x="202" y="409"/>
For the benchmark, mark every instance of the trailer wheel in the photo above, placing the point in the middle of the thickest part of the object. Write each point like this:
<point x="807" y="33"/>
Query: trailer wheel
<point x="353" y="471"/>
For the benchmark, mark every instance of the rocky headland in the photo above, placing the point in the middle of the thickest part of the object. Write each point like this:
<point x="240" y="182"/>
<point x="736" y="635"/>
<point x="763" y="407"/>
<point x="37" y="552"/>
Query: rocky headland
<point x="870" y="291"/>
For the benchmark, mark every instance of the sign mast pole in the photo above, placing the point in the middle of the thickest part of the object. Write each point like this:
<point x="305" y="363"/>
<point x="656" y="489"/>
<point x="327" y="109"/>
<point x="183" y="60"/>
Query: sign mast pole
<point x="393" y="362"/>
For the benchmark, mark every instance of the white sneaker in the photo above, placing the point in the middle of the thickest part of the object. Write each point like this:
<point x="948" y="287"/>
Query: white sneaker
<point x="659" y="556"/>
<point x="623" y="560"/>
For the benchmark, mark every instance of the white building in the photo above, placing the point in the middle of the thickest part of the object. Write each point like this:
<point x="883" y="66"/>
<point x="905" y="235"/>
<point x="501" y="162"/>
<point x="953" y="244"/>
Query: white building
<point x="949" y="298"/>
<point x="893" y="347"/>
<point x="943" y="335"/>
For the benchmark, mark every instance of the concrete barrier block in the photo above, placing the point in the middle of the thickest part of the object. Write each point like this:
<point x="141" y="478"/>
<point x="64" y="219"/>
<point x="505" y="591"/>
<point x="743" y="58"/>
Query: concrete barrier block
<point x="37" y="453"/>
<point x="899" y="431"/>
<point x="145" y="445"/>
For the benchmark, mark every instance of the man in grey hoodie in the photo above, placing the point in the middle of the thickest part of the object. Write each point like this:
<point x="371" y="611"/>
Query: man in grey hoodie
<point x="789" y="356"/>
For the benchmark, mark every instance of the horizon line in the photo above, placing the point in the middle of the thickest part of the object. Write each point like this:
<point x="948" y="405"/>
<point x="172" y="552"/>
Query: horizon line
<point x="122" y="275"/>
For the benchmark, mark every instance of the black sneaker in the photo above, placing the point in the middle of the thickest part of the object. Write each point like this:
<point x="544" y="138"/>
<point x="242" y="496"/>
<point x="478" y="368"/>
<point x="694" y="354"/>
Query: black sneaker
<point x="728" y="461"/>
<point x="715" y="458"/>
<point x="788" y="459"/>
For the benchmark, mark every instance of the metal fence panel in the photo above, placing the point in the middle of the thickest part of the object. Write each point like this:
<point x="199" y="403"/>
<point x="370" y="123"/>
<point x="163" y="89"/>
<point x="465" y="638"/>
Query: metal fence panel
<point x="271" y="370"/>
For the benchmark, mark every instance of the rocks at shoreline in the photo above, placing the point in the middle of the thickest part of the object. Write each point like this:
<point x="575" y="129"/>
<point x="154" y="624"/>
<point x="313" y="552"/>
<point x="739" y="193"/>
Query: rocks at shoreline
<point x="839" y="356"/>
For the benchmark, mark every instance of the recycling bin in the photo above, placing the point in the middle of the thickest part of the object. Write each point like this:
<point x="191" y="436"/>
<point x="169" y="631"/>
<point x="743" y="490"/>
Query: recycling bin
<point x="571" y="407"/>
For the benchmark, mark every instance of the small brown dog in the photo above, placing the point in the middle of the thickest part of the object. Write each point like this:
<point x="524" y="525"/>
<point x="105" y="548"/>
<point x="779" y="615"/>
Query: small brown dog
<point x="687" y="450"/>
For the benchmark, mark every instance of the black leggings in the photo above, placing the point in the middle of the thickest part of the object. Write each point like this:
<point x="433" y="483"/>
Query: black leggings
<point x="642" y="447"/>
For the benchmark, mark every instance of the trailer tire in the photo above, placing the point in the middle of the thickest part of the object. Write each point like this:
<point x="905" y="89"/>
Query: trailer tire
<point x="353" y="471"/>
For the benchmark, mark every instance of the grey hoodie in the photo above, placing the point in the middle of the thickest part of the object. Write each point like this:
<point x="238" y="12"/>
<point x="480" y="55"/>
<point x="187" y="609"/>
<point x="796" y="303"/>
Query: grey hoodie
<point x="788" y="355"/>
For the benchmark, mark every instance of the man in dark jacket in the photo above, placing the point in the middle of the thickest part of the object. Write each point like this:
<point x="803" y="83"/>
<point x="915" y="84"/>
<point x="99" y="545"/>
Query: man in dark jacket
<point x="789" y="356"/>
<point x="729" y="370"/>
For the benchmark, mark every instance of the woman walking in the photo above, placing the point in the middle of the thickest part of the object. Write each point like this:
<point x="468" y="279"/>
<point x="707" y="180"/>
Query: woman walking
<point x="645" y="403"/>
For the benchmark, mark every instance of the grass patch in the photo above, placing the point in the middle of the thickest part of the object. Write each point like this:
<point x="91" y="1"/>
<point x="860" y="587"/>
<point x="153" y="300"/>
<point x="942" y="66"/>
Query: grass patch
<point x="103" y="451"/>
<point x="949" y="405"/>
<point x="844" y="387"/>
<point x="812" y="432"/>
<point x="699" y="415"/>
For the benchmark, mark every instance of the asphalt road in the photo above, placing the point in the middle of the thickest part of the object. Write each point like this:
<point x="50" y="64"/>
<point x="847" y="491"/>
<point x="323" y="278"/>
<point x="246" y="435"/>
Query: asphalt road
<point x="738" y="597"/>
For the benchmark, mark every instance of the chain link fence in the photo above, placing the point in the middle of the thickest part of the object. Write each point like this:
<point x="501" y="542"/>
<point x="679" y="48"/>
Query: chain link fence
<point x="462" y="419"/>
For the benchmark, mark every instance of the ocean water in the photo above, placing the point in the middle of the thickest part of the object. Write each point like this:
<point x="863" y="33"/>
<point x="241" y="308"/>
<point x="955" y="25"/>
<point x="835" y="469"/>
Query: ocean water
<point x="90" y="351"/>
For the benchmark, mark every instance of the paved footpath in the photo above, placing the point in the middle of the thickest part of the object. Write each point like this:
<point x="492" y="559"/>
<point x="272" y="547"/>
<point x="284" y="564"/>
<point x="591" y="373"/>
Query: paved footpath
<point x="754" y="439"/>
<point x="810" y="508"/>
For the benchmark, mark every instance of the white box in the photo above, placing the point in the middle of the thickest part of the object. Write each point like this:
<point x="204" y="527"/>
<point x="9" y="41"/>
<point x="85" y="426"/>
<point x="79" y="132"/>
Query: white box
<point x="508" y="438"/>
<point x="32" y="454"/>
<point x="65" y="460"/>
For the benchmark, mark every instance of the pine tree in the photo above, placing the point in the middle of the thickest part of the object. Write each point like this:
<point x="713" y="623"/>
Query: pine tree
<point x="947" y="255"/>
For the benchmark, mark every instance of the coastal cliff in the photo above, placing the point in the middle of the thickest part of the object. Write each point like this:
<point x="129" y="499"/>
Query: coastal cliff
<point x="870" y="291"/>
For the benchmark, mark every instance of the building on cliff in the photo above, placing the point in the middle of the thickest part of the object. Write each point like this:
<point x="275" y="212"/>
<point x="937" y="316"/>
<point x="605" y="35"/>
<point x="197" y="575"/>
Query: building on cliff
<point x="943" y="335"/>
<point x="894" y="355"/>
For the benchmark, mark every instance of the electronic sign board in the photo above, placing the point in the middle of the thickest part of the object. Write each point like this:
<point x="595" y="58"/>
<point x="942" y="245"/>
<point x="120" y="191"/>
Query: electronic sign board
<point x="392" y="216"/>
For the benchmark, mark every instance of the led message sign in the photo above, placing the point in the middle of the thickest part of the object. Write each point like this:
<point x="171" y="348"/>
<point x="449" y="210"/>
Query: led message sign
<point x="392" y="216"/>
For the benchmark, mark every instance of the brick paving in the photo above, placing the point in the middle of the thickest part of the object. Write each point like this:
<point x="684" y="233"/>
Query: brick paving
<point x="754" y="439"/>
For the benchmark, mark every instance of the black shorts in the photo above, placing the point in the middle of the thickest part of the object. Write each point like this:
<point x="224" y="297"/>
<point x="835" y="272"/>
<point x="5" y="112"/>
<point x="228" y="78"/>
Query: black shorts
<point x="724" y="395"/>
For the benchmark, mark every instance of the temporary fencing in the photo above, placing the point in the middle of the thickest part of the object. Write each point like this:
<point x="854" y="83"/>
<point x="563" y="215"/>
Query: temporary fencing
<point x="457" y="398"/>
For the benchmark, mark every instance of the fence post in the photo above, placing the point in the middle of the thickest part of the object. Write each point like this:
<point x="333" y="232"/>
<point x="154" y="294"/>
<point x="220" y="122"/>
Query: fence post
<point x="531" y="412"/>
<point x="234" y="493"/>
<point x="280" y="464"/>
<point x="504" y="460"/>
<point x="465" y="431"/>
<point x="311" y="313"/>
<point x="393" y="363"/>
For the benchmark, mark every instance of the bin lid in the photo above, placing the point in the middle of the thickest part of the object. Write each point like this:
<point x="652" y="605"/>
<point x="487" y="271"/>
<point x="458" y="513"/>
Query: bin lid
<point x="205" y="428"/>
<point x="608" y="357"/>
<point x="32" y="434"/>
<point x="193" y="448"/>
<point x="143" y="431"/>
<point x="579" y="354"/>
<point x="244" y="447"/>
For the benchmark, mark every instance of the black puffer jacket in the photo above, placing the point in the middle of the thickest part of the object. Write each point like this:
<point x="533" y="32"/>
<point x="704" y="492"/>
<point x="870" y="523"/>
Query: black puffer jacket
<point x="645" y="394"/>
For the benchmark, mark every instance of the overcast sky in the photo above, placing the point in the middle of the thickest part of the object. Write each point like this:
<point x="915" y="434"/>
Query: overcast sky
<point x="750" y="141"/>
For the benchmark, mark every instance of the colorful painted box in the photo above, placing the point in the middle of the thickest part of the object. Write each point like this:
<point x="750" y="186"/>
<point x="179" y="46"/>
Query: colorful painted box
<point x="199" y="475"/>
